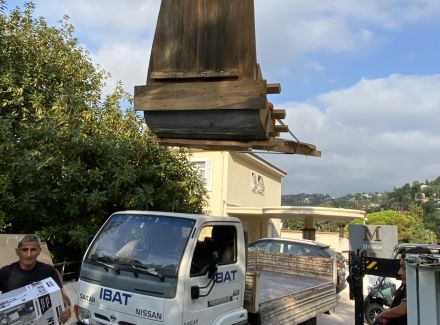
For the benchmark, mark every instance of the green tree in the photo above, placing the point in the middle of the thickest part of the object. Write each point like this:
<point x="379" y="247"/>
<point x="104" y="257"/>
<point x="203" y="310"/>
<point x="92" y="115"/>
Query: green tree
<point x="293" y="224"/>
<point x="416" y="211"/>
<point x="69" y="158"/>
<point x="401" y="198"/>
<point x="410" y="228"/>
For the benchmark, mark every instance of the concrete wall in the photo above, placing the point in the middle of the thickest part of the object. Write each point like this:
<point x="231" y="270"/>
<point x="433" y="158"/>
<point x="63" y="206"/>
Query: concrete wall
<point x="240" y="192"/>
<point x="217" y="169"/>
<point x="239" y="183"/>
<point x="329" y="238"/>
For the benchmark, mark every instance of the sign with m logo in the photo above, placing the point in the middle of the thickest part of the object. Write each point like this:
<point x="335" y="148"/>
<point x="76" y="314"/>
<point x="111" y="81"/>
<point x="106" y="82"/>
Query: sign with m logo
<point x="376" y="240"/>
<point x="375" y="236"/>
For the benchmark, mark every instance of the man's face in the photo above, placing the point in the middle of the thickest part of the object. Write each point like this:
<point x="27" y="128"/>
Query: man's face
<point x="27" y="254"/>
<point x="402" y="271"/>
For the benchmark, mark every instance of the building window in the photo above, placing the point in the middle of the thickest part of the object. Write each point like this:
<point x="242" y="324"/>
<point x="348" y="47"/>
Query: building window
<point x="257" y="183"/>
<point x="204" y="169"/>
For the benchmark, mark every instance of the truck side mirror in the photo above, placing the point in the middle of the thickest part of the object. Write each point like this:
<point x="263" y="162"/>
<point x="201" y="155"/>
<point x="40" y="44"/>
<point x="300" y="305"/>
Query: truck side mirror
<point x="212" y="271"/>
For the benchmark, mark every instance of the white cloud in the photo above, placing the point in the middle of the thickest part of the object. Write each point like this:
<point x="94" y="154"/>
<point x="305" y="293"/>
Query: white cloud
<point x="127" y="62"/>
<point x="376" y="135"/>
<point x="117" y="34"/>
<point x="418" y="10"/>
<point x="126" y="19"/>
<point x="334" y="26"/>
<point x="286" y="30"/>
<point x="393" y="103"/>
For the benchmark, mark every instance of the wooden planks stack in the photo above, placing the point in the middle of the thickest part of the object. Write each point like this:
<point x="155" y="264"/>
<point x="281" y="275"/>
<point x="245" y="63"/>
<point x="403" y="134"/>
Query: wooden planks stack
<point x="292" y="264"/>
<point x="204" y="87"/>
<point x="251" y="301"/>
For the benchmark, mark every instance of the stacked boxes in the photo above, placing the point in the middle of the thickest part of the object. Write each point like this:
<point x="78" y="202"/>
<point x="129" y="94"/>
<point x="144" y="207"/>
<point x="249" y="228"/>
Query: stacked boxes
<point x="39" y="303"/>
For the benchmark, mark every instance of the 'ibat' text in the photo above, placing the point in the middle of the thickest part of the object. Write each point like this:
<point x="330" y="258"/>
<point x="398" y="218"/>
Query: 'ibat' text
<point x="114" y="296"/>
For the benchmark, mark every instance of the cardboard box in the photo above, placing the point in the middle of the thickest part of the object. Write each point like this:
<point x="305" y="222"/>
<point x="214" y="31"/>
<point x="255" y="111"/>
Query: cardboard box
<point x="39" y="303"/>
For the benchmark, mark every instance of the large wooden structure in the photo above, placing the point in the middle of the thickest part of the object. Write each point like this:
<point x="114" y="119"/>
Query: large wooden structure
<point x="204" y="87"/>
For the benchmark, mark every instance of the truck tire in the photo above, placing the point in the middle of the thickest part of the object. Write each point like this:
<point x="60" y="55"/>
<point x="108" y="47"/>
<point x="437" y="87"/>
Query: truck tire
<point x="254" y="319"/>
<point x="371" y="310"/>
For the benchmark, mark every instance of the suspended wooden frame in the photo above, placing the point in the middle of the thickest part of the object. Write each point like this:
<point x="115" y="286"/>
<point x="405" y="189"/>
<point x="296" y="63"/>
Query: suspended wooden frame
<point x="204" y="87"/>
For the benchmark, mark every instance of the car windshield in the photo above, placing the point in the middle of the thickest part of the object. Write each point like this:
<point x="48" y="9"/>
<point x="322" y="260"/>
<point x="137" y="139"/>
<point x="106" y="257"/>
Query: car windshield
<point x="291" y="247"/>
<point x="143" y="242"/>
<point x="330" y="251"/>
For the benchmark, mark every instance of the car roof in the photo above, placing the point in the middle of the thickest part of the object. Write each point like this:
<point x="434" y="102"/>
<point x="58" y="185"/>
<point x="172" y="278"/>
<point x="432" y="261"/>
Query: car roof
<point x="296" y="241"/>
<point x="405" y="246"/>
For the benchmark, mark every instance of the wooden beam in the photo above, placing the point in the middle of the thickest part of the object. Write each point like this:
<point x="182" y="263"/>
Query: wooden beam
<point x="281" y="128"/>
<point x="274" y="88"/>
<point x="273" y="144"/>
<point x="161" y="75"/>
<point x="239" y="94"/>
<point x="287" y="146"/>
<point x="279" y="114"/>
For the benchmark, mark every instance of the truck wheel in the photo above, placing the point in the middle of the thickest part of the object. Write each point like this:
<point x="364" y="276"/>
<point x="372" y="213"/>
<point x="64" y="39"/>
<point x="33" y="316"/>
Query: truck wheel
<point x="371" y="311"/>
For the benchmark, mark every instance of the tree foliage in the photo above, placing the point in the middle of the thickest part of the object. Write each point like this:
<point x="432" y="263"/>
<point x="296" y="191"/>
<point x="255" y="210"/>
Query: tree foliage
<point x="419" y="200"/>
<point x="410" y="228"/>
<point x="69" y="158"/>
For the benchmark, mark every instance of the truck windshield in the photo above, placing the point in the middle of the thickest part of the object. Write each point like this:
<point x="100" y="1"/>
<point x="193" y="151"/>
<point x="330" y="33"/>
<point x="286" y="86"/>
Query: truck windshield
<point x="144" y="242"/>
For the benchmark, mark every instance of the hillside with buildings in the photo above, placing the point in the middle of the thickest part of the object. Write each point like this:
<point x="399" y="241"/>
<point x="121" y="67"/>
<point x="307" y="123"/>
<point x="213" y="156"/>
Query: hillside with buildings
<point x="400" y="198"/>
<point x="424" y="195"/>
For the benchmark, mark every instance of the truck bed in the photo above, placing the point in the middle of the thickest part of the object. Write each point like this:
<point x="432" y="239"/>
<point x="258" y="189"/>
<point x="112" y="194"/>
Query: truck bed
<point x="285" y="289"/>
<point x="274" y="285"/>
<point x="293" y="299"/>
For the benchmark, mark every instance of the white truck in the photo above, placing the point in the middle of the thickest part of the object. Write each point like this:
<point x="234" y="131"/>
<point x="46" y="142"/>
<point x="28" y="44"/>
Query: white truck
<point x="170" y="268"/>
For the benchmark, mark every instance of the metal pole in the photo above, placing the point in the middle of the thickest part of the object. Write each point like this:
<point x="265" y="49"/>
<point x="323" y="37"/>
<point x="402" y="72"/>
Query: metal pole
<point x="356" y="286"/>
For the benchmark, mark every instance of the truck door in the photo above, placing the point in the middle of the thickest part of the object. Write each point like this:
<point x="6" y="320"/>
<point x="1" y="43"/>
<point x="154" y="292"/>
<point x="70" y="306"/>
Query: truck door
<point x="220" y="296"/>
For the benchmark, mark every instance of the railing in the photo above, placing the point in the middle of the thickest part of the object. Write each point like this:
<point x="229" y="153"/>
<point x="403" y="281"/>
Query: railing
<point x="68" y="270"/>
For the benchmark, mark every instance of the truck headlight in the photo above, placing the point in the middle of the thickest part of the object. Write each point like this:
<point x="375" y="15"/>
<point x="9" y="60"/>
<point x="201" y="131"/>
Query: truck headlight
<point x="84" y="316"/>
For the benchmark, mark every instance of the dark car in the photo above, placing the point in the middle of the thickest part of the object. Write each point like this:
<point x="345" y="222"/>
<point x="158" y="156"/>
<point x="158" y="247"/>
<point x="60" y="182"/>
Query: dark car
<point x="303" y="247"/>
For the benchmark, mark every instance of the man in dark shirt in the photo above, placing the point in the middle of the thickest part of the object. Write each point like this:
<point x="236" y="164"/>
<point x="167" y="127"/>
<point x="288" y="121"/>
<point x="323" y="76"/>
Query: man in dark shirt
<point x="28" y="270"/>
<point x="397" y="313"/>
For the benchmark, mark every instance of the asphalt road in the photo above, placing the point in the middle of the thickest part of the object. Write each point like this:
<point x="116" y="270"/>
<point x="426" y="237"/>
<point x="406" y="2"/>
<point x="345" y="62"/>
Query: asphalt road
<point x="343" y="313"/>
<point x="71" y="292"/>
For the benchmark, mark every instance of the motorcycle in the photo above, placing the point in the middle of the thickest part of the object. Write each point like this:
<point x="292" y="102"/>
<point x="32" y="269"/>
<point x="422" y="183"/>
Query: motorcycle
<point x="379" y="297"/>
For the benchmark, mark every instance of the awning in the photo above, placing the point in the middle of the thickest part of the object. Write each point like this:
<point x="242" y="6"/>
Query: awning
<point x="297" y="212"/>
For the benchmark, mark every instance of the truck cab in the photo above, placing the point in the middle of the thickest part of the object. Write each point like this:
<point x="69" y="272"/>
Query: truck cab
<point x="164" y="268"/>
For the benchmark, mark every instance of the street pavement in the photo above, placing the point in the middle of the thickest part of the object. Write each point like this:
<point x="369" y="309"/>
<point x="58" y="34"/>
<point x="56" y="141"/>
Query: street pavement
<point x="343" y="313"/>
<point x="70" y="290"/>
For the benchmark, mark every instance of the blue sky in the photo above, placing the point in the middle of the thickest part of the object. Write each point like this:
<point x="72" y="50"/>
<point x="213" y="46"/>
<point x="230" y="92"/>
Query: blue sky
<point x="360" y="80"/>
